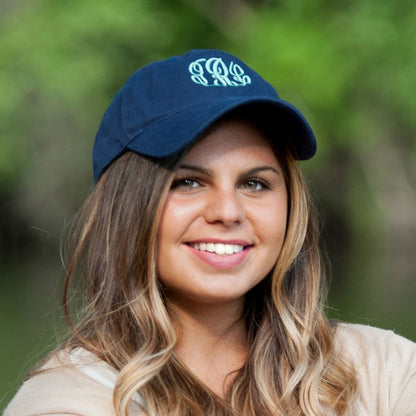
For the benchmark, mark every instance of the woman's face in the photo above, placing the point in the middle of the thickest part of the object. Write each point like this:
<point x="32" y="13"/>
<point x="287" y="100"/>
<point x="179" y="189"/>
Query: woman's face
<point x="224" y="219"/>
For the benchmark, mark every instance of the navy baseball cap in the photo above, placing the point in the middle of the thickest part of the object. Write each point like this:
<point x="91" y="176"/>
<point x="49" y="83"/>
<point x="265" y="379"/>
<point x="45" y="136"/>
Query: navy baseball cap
<point x="168" y="104"/>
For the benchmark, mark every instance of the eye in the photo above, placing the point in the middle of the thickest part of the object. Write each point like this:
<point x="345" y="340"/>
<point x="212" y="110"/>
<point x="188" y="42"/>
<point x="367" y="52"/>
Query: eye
<point x="255" y="185"/>
<point x="185" y="183"/>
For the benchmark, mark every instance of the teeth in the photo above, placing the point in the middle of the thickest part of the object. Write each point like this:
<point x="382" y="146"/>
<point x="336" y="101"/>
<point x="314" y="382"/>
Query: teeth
<point x="219" y="248"/>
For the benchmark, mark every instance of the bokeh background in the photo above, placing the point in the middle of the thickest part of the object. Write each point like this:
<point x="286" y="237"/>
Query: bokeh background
<point x="350" y="66"/>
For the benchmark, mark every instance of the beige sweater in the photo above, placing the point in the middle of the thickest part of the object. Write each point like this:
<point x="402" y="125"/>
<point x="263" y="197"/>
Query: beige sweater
<point x="385" y="362"/>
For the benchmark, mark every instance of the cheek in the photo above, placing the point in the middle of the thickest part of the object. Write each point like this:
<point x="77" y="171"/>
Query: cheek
<point x="273" y="225"/>
<point x="273" y="219"/>
<point x="176" y="218"/>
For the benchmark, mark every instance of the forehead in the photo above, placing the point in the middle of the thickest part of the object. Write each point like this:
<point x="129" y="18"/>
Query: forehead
<point x="231" y="138"/>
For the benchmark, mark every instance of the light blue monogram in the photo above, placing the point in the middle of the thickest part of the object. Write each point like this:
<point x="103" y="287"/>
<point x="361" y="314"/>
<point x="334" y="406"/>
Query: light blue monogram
<point x="214" y="72"/>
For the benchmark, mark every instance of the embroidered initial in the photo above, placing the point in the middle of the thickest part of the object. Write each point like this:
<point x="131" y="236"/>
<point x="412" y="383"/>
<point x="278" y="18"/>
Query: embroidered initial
<point x="214" y="72"/>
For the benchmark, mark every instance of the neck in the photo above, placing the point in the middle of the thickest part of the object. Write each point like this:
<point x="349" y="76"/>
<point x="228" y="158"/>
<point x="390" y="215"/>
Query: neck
<point x="211" y="341"/>
<point x="216" y="321"/>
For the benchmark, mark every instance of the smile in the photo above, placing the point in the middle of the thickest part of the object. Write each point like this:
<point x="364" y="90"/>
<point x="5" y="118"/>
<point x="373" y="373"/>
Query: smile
<point x="220" y="249"/>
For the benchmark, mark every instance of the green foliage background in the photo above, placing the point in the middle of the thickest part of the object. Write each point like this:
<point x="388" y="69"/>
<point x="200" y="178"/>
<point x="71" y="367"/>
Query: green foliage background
<point x="349" y="66"/>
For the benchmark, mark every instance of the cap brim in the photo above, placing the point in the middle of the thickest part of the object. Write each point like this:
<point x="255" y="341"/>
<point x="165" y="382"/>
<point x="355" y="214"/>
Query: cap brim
<point x="171" y="134"/>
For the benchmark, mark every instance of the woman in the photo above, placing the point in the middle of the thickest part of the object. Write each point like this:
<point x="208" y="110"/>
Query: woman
<point x="198" y="251"/>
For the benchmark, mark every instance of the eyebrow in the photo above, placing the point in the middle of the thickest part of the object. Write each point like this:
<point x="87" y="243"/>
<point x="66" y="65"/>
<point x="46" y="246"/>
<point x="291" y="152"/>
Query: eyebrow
<point x="209" y="173"/>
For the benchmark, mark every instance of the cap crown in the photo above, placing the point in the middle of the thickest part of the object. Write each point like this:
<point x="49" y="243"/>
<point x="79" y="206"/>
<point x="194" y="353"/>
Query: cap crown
<point x="166" y="104"/>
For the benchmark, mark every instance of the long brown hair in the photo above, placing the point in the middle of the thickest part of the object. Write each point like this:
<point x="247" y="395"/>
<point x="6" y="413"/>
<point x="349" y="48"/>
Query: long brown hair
<point x="292" y="367"/>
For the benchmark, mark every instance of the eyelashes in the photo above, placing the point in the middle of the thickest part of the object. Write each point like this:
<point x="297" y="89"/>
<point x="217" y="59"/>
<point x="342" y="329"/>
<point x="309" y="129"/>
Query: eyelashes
<point x="256" y="184"/>
<point x="185" y="183"/>
<point x="249" y="184"/>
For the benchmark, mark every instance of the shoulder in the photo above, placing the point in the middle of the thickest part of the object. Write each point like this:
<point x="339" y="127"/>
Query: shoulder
<point x="64" y="386"/>
<point x="361" y="340"/>
<point x="366" y="336"/>
<point x="385" y="364"/>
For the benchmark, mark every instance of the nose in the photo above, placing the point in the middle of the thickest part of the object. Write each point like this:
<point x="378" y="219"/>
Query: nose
<point x="225" y="207"/>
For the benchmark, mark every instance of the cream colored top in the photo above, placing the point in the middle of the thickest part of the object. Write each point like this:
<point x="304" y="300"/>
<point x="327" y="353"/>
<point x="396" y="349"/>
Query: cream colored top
<point x="385" y="362"/>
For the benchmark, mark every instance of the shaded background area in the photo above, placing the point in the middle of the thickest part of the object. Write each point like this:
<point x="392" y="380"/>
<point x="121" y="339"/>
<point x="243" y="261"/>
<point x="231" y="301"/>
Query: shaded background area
<point x="349" y="66"/>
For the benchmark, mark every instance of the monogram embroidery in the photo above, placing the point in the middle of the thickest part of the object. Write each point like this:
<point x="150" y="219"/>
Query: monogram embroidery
<point x="214" y="72"/>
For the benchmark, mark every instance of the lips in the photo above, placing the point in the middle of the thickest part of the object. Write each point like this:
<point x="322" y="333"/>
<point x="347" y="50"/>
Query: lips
<point x="221" y="249"/>
<point x="221" y="254"/>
